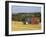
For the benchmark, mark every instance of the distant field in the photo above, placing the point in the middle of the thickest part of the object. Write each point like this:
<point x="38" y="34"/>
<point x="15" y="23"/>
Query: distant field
<point x="19" y="26"/>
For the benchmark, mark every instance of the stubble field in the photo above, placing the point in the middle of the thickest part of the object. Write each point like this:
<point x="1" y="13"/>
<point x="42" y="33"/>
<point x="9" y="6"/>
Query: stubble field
<point x="19" y="26"/>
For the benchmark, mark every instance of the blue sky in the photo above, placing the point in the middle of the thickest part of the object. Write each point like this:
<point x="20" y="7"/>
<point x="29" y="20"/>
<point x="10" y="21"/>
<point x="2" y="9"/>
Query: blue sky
<point x="25" y="9"/>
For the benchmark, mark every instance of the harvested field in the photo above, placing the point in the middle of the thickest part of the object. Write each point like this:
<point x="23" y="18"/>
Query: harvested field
<point x="19" y="26"/>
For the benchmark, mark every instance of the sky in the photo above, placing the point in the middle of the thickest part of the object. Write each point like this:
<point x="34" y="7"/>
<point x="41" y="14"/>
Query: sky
<point x="25" y="9"/>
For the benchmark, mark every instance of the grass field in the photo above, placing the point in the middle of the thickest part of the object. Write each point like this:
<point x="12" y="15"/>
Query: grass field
<point x="19" y="26"/>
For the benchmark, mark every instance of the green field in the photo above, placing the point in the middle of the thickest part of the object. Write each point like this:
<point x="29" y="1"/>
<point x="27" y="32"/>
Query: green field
<point x="19" y="26"/>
